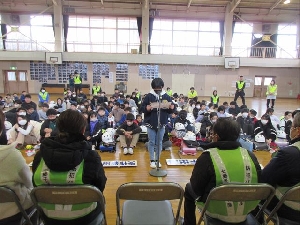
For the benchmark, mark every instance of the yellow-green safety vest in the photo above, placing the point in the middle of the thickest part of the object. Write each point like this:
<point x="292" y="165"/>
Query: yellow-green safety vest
<point x="43" y="95"/>
<point x="231" y="166"/>
<point x="272" y="89"/>
<point x="96" y="89"/>
<point x="240" y="84"/>
<point x="192" y="95"/>
<point x="77" y="80"/>
<point x="215" y="99"/>
<point x="138" y="95"/>
<point x="170" y="92"/>
<point x="43" y="176"/>
<point x="280" y="191"/>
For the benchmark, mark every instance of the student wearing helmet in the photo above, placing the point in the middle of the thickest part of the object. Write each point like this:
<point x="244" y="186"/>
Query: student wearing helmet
<point x="223" y="162"/>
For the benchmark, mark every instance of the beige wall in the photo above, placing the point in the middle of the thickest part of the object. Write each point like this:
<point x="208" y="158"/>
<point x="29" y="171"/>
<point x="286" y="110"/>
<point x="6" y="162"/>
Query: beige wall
<point x="205" y="78"/>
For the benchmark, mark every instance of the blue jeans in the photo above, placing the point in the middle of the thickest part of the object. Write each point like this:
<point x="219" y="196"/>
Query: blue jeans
<point x="152" y="136"/>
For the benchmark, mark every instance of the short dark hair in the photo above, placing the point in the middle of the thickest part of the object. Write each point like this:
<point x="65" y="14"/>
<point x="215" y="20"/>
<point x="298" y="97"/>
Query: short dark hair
<point x="210" y="105"/>
<point x="270" y="110"/>
<point x="27" y="96"/>
<point x="101" y="109"/>
<point x="45" y="105"/>
<point x="287" y="113"/>
<point x="232" y="103"/>
<point x="227" y="129"/>
<point x="225" y="103"/>
<point x="212" y="114"/>
<point x="128" y="109"/>
<point x="137" y="116"/>
<point x="243" y="107"/>
<point x="2" y="119"/>
<point x="65" y="123"/>
<point x="128" y="96"/>
<point x="221" y="108"/>
<point x="295" y="112"/>
<point x="19" y="102"/>
<point x="243" y="110"/>
<point x="253" y="112"/>
<point x="117" y="104"/>
<point x="51" y="112"/>
<point x="157" y="83"/>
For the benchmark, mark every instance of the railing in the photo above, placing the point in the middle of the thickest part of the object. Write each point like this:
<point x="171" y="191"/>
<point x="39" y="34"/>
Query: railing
<point x="251" y="52"/>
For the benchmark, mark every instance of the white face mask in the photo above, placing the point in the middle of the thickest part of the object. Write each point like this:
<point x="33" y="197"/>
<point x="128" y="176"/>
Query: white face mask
<point x="193" y="106"/>
<point x="67" y="101"/>
<point x="198" y="106"/>
<point x="22" y="113"/>
<point x="22" y="122"/>
<point x="74" y="96"/>
<point x="244" y="115"/>
<point x="213" y="121"/>
<point x="82" y="107"/>
<point x="264" y="122"/>
<point x="43" y="91"/>
<point x="129" y="123"/>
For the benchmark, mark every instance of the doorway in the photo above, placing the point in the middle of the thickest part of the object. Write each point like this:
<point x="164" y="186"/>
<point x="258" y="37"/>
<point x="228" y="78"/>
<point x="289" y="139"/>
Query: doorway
<point x="260" y="85"/>
<point x="15" y="82"/>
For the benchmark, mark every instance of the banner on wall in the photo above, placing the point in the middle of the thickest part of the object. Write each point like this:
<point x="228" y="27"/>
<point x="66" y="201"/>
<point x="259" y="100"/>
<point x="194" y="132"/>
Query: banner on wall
<point x="111" y="77"/>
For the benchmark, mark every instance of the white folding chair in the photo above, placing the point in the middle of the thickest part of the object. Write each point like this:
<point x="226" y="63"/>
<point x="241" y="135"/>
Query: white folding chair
<point x="8" y="195"/>
<point x="148" y="203"/>
<point x="293" y="195"/>
<point x="67" y="195"/>
<point x="237" y="193"/>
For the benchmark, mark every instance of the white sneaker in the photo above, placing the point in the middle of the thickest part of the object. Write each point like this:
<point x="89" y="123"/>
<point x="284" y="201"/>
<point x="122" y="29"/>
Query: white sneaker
<point x="159" y="165"/>
<point x="125" y="151"/>
<point x="153" y="165"/>
<point x="93" y="147"/>
<point x="130" y="151"/>
<point x="168" y="149"/>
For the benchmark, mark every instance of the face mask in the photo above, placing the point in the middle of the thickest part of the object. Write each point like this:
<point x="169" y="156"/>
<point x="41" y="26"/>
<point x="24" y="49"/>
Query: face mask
<point x="102" y="95"/>
<point x="198" y="106"/>
<point x="133" y="96"/>
<point x="157" y="91"/>
<point x="82" y="107"/>
<point x="67" y="101"/>
<point x="74" y="96"/>
<point x="22" y="122"/>
<point x="264" y="122"/>
<point x="43" y="91"/>
<point x="22" y="113"/>
<point x="182" y="117"/>
<point x="129" y="123"/>
<point x="213" y="121"/>
<point x="93" y="119"/>
<point x="193" y="106"/>
<point x="245" y="115"/>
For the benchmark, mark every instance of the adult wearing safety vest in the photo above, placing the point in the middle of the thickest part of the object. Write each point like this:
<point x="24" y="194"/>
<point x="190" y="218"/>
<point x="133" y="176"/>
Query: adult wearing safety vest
<point x="169" y="92"/>
<point x="138" y="95"/>
<point x="240" y="86"/>
<point x="77" y="82"/>
<point x="283" y="172"/>
<point x="224" y="161"/>
<point x="69" y="159"/>
<point x="43" y="97"/>
<point x="192" y="94"/>
<point x="96" y="89"/>
<point x="215" y="98"/>
<point x="271" y="93"/>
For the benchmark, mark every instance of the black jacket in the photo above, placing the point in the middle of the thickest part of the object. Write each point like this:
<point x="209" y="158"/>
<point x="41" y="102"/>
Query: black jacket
<point x="95" y="134"/>
<point x="150" y="117"/>
<point x="203" y="177"/>
<point x="46" y="124"/>
<point x="268" y="130"/>
<point x="64" y="155"/>
<point x="246" y="125"/>
<point x="284" y="170"/>
<point x="134" y="128"/>
<point x="205" y="123"/>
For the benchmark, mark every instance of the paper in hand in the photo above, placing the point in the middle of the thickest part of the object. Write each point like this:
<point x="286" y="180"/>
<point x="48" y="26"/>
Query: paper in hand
<point x="163" y="105"/>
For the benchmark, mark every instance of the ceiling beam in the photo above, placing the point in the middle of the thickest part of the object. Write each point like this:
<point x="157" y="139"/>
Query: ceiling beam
<point x="234" y="4"/>
<point x="102" y="2"/>
<point x="275" y="5"/>
<point x="54" y="2"/>
<point x="189" y="4"/>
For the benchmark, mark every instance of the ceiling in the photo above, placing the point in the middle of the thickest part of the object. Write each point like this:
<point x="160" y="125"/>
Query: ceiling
<point x="272" y="11"/>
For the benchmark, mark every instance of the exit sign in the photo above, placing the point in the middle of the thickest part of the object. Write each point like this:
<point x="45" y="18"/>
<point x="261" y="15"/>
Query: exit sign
<point x="13" y="68"/>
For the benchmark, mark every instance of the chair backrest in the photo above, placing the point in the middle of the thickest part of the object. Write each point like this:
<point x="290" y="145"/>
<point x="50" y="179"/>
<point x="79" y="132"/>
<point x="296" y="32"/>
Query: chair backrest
<point x="150" y="191"/>
<point x="67" y="195"/>
<point x="240" y="193"/>
<point x="292" y="194"/>
<point x="8" y="195"/>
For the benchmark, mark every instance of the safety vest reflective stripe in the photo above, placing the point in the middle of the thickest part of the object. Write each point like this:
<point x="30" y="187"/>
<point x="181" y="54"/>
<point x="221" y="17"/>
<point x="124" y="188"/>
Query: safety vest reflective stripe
<point x="228" y="211"/>
<point x="215" y="99"/>
<point x="96" y="89"/>
<point x="280" y="191"/>
<point x="272" y="89"/>
<point x="43" y="175"/>
<point x="240" y="84"/>
<point x="43" y="95"/>
<point x="77" y="80"/>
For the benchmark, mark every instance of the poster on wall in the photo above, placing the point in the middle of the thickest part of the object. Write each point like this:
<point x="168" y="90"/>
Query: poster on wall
<point x="111" y="77"/>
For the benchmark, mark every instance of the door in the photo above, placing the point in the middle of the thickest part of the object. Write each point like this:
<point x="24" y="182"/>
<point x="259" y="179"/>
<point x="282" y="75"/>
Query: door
<point x="16" y="82"/>
<point x="260" y="85"/>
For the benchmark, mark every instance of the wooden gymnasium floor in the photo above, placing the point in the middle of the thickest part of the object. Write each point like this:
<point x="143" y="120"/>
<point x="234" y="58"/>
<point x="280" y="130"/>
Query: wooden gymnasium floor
<point x="180" y="174"/>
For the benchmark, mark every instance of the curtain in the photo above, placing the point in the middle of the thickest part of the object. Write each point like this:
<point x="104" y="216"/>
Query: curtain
<point x="262" y="48"/>
<point x="4" y="34"/>
<point x="151" y="20"/>
<point x="66" y="27"/>
<point x="139" y="21"/>
<point x="221" y="25"/>
<point x="53" y="26"/>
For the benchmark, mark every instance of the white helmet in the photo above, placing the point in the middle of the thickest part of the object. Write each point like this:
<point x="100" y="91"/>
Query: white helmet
<point x="197" y="127"/>
<point x="179" y="126"/>
<point x="112" y="131"/>
<point x="190" y="117"/>
<point x="260" y="138"/>
<point x="107" y="137"/>
<point x="189" y="136"/>
<point x="144" y="129"/>
<point x="281" y="134"/>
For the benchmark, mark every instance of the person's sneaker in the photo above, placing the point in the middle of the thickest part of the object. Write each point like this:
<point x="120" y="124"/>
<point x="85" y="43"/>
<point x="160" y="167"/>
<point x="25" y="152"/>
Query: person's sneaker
<point x="153" y="165"/>
<point x="125" y="151"/>
<point x="93" y="147"/>
<point x="159" y="165"/>
<point x="130" y="151"/>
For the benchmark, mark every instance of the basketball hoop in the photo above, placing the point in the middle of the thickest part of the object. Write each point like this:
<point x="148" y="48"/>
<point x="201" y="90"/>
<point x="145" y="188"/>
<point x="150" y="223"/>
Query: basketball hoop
<point x="232" y="67"/>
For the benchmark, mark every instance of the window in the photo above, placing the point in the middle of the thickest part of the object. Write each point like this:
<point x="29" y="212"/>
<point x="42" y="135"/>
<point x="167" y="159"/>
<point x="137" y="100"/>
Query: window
<point x="22" y="76"/>
<point x="267" y="81"/>
<point x="258" y="81"/>
<point x="11" y="76"/>
<point x="287" y="41"/>
<point x="241" y="39"/>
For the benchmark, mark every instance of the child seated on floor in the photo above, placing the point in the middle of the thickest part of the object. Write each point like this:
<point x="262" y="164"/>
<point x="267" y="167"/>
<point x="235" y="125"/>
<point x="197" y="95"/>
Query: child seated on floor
<point x="139" y="120"/>
<point x="129" y="134"/>
<point x="94" y="130"/>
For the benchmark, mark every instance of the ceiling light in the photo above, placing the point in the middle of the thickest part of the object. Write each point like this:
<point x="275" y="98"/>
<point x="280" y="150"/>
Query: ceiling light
<point x="286" y="2"/>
